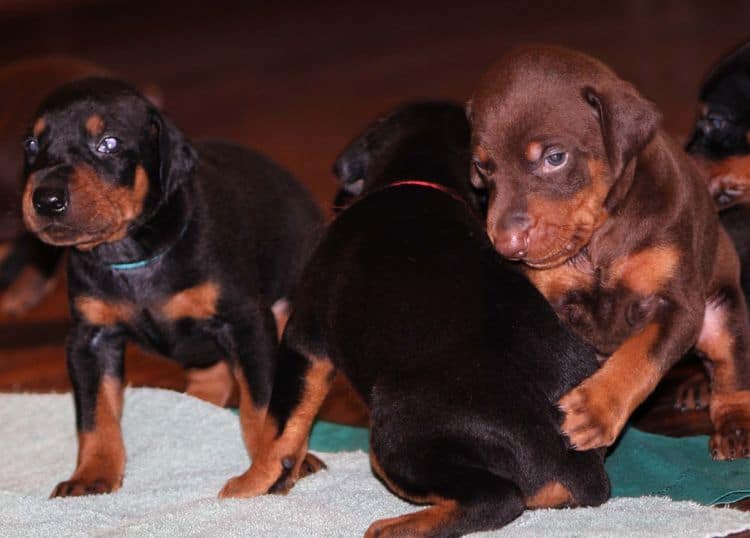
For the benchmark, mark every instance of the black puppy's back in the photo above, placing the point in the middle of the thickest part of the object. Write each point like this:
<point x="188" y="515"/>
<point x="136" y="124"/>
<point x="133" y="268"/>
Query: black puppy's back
<point x="459" y="358"/>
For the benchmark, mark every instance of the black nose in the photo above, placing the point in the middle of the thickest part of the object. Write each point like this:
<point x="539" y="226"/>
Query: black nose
<point x="50" y="201"/>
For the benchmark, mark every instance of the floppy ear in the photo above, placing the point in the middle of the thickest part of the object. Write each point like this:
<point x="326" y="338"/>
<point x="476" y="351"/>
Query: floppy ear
<point x="177" y="157"/>
<point x="628" y="122"/>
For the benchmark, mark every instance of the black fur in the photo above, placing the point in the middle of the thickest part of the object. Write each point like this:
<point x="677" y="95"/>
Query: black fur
<point x="458" y="357"/>
<point x="213" y="212"/>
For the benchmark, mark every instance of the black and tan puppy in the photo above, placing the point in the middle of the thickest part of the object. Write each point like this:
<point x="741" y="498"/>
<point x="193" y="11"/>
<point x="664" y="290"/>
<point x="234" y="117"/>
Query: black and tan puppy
<point x="613" y="224"/>
<point x="721" y="138"/>
<point x="458" y="357"/>
<point x="182" y="248"/>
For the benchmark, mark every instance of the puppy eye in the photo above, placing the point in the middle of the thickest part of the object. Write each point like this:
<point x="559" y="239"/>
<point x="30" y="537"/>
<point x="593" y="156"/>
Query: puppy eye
<point x="556" y="159"/>
<point x="31" y="145"/>
<point x="109" y="144"/>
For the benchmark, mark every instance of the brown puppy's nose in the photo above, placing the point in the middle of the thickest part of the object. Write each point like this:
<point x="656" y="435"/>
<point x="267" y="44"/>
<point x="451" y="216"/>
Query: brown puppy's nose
<point x="50" y="201"/>
<point x="512" y="237"/>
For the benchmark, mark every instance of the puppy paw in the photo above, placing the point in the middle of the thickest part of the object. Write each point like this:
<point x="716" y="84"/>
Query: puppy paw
<point x="79" y="487"/>
<point x="311" y="465"/>
<point x="730" y="442"/>
<point x="593" y="419"/>
<point x="693" y="395"/>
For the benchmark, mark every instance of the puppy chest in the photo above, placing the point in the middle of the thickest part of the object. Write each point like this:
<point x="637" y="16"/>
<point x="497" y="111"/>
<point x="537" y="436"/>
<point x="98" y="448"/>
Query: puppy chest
<point x="173" y="323"/>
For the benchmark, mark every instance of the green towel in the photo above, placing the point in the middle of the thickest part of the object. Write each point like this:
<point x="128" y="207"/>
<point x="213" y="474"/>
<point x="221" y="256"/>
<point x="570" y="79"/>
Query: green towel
<point x="641" y="464"/>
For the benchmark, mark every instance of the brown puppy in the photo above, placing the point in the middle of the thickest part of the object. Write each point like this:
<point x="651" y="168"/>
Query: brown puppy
<point x="615" y="227"/>
<point x="27" y="266"/>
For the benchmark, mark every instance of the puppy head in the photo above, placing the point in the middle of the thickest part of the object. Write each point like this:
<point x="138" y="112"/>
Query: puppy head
<point x="722" y="129"/>
<point x="424" y="140"/>
<point x="555" y="134"/>
<point x="100" y="160"/>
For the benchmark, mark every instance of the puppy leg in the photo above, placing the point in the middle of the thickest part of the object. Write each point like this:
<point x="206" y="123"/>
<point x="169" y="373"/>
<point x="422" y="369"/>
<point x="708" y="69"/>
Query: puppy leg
<point x="95" y="364"/>
<point x="214" y="384"/>
<point x="466" y="500"/>
<point x="302" y="382"/>
<point x="597" y="409"/>
<point x="724" y="341"/>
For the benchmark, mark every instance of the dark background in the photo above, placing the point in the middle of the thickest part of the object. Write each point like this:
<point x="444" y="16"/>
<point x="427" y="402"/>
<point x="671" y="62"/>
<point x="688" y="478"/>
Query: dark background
<point x="298" y="80"/>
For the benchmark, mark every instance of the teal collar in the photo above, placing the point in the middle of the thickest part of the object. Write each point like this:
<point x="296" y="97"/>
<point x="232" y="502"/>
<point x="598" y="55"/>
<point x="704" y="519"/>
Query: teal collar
<point x="127" y="266"/>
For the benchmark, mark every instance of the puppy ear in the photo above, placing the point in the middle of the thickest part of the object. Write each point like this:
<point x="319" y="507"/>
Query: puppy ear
<point x="177" y="157"/>
<point x="628" y="122"/>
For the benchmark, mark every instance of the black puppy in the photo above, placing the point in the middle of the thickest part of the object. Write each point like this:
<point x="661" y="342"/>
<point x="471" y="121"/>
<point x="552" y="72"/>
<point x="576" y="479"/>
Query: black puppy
<point x="721" y="137"/>
<point x="182" y="248"/>
<point x="458" y="357"/>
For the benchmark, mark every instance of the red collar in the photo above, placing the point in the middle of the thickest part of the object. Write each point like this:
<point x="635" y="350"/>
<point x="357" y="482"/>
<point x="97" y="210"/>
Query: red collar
<point x="427" y="184"/>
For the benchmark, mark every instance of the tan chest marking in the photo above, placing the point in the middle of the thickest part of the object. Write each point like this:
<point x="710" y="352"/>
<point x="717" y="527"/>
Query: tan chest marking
<point x="556" y="282"/>
<point x="198" y="302"/>
<point x="645" y="272"/>
<point x="105" y="313"/>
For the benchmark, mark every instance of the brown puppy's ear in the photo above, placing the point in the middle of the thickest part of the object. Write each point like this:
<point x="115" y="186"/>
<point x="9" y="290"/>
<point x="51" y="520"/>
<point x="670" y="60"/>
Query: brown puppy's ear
<point x="628" y="122"/>
<point x="177" y="157"/>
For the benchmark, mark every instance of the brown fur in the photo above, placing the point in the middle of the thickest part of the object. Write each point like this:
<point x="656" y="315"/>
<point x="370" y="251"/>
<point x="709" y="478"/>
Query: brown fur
<point x="99" y="312"/>
<point x="621" y="236"/>
<point x="105" y="215"/>
<point x="101" y="452"/>
<point x="267" y="468"/>
<point x="214" y="384"/>
<point x="95" y="125"/>
<point x="551" y="495"/>
<point x="423" y="523"/>
<point x="198" y="302"/>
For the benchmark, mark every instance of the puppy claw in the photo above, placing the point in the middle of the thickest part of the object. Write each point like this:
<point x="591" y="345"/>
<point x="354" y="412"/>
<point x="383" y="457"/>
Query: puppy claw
<point x="78" y="488"/>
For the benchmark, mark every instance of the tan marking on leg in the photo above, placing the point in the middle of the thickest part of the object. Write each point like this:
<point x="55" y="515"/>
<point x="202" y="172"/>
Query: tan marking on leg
<point x="39" y="126"/>
<point x="553" y="494"/>
<point x="291" y="445"/>
<point x="645" y="272"/>
<point x="214" y="384"/>
<point x="101" y="452"/>
<point x="428" y="522"/>
<point x="27" y="291"/>
<point x="597" y="409"/>
<point x="394" y="488"/>
<point x="281" y="309"/>
<point x="252" y="418"/>
<point x="105" y="313"/>
<point x="95" y="125"/>
<point x="198" y="302"/>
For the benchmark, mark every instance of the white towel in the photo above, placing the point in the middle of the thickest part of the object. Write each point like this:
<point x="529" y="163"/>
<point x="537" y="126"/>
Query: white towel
<point x="182" y="450"/>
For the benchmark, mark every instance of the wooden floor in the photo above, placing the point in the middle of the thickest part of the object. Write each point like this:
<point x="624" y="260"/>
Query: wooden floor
<point x="298" y="80"/>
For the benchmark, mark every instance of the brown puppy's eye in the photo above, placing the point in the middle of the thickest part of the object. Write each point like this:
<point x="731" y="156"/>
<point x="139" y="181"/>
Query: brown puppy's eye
<point x="554" y="160"/>
<point x="108" y="144"/>
<point x="31" y="145"/>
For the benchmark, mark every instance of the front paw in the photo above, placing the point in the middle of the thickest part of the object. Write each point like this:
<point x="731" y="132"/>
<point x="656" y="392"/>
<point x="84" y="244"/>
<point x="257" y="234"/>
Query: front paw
<point x="592" y="418"/>
<point x="248" y="484"/>
<point x="79" y="487"/>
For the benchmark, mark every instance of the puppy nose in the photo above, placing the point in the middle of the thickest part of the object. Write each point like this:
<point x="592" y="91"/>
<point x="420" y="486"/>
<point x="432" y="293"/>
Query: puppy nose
<point x="512" y="240"/>
<point x="50" y="201"/>
<point x="513" y="245"/>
